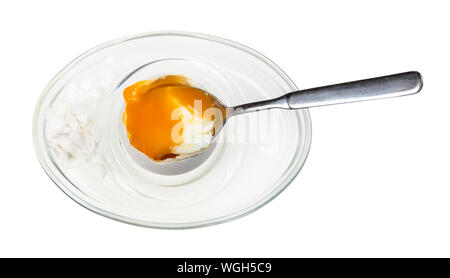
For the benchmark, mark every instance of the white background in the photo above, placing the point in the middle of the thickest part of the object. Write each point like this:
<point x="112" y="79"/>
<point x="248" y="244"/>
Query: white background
<point x="376" y="182"/>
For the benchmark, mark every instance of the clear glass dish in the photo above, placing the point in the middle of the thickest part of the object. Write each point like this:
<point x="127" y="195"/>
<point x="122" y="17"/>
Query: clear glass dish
<point x="79" y="136"/>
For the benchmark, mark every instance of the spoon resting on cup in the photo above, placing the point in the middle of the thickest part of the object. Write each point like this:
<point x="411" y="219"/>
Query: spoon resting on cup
<point x="169" y="120"/>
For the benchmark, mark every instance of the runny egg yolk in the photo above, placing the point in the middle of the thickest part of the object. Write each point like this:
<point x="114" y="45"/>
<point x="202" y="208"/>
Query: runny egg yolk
<point x="150" y="109"/>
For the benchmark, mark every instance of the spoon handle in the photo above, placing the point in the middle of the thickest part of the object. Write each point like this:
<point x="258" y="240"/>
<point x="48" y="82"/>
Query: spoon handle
<point x="374" y="88"/>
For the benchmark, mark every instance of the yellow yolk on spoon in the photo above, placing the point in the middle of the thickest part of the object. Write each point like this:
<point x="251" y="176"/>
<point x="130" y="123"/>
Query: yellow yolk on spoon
<point x="149" y="113"/>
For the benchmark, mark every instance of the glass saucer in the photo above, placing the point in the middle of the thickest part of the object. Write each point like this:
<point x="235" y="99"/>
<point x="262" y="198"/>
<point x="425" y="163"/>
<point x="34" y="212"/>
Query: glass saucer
<point x="79" y="136"/>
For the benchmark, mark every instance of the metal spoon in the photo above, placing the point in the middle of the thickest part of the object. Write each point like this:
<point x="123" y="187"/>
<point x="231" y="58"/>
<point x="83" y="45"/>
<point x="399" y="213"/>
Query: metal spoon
<point x="395" y="85"/>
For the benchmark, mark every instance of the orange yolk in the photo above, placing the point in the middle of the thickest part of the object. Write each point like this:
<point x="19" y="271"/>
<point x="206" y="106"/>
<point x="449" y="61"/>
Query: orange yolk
<point x="149" y="108"/>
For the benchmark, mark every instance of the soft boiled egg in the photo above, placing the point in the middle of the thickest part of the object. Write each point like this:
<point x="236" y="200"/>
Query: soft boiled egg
<point x="167" y="118"/>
